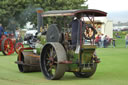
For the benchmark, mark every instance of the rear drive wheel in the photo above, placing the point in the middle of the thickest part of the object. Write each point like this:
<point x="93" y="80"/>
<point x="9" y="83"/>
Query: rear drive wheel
<point x="7" y="46"/>
<point x="51" y="55"/>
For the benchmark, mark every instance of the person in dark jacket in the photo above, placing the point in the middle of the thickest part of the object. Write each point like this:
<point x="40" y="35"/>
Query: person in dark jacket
<point x="1" y="30"/>
<point x="74" y="33"/>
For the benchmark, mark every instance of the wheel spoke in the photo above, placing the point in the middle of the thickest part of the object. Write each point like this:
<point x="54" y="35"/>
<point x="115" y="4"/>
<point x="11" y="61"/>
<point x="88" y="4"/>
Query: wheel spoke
<point x="5" y="49"/>
<point x="52" y="69"/>
<point x="51" y="61"/>
<point x="48" y="55"/>
<point x="5" y="46"/>
<point x="50" y="52"/>
<point x="49" y="69"/>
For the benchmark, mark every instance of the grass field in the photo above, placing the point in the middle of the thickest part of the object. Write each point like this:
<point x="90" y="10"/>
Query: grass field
<point x="120" y="42"/>
<point x="112" y="70"/>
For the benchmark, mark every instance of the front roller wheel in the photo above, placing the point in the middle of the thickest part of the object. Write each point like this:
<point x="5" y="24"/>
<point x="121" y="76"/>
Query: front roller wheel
<point x="86" y="74"/>
<point x="7" y="46"/>
<point x="51" y="55"/>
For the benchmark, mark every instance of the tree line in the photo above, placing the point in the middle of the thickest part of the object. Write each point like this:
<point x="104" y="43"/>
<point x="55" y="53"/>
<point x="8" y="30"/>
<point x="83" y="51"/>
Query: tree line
<point x="121" y="24"/>
<point x="18" y="12"/>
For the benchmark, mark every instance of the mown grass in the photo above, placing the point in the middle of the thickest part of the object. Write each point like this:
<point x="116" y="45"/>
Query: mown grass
<point x="120" y="42"/>
<point x="112" y="70"/>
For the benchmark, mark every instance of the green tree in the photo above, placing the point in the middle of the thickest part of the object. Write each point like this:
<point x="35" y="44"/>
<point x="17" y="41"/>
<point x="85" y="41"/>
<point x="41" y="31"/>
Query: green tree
<point x="21" y="11"/>
<point x="10" y="11"/>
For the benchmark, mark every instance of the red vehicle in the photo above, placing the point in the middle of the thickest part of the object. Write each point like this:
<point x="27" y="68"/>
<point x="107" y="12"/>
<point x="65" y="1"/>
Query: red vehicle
<point x="8" y="44"/>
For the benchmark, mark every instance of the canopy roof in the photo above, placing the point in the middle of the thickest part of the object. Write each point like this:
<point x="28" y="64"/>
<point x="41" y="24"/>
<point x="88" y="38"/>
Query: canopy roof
<point x="87" y="12"/>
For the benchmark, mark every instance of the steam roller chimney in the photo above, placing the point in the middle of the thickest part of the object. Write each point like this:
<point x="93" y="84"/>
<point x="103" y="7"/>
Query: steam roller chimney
<point x="39" y="19"/>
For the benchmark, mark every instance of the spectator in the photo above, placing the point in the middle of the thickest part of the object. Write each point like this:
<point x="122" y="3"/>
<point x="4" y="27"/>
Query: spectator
<point x="105" y="41"/>
<point x="17" y="33"/>
<point x="1" y="30"/>
<point x="19" y="38"/>
<point x="114" y="42"/>
<point x="5" y="31"/>
<point x="98" y="40"/>
<point x="126" y="40"/>
<point x="102" y="40"/>
<point x="117" y="35"/>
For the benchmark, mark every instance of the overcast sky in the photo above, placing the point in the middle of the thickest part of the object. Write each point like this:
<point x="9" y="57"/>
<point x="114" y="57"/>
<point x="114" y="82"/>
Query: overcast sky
<point x="117" y="9"/>
<point x="109" y="5"/>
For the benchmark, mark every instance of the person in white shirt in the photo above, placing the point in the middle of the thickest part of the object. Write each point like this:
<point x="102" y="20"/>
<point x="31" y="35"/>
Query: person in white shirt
<point x="102" y="40"/>
<point x="17" y="33"/>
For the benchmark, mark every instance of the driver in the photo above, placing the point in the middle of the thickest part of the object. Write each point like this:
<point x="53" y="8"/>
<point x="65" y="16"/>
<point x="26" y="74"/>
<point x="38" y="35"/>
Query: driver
<point x="1" y="30"/>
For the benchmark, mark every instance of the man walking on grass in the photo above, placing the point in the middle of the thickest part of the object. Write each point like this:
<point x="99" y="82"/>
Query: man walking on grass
<point x="126" y="40"/>
<point x="1" y="30"/>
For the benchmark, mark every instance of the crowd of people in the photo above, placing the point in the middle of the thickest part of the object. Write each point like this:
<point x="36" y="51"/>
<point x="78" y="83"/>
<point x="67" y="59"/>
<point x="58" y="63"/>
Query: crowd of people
<point x="102" y="41"/>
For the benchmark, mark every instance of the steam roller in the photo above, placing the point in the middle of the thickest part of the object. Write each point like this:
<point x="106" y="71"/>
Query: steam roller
<point x="29" y="58"/>
<point x="52" y="51"/>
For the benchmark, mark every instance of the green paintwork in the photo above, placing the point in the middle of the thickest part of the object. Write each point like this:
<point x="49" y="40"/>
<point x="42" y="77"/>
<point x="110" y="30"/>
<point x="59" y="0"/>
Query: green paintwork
<point x="86" y="54"/>
<point x="40" y="44"/>
<point x="72" y="56"/>
<point x="38" y="47"/>
<point x="43" y="39"/>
